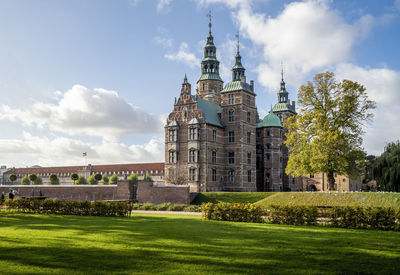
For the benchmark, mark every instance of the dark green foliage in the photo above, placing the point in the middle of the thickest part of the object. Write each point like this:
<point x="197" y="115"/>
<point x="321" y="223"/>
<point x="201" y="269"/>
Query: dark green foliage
<point x="98" y="176"/>
<point x="12" y="177"/>
<point x="105" y="179"/>
<point x="387" y="168"/>
<point x="25" y="180"/>
<point x="32" y="177"/>
<point x="368" y="168"/>
<point x="74" y="176"/>
<point x="64" y="207"/>
<point x="294" y="215"/>
<point x="166" y="207"/>
<point x="81" y="180"/>
<point x="37" y="181"/>
<point x="92" y="180"/>
<point x="54" y="179"/>
<point x="235" y="212"/>
<point x="133" y="178"/>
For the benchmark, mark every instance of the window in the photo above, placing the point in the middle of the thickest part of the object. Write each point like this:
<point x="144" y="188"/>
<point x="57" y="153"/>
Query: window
<point x="231" y="157"/>
<point x="311" y="176"/>
<point x="231" y="115"/>
<point x="268" y="157"/>
<point x="214" y="174"/>
<point x="249" y="175"/>
<point x="248" y="157"/>
<point x="248" y="137"/>
<point x="192" y="174"/>
<point x="171" y="158"/>
<point x="214" y="156"/>
<point x="214" y="135"/>
<point x="268" y="133"/>
<point x="231" y="136"/>
<point x="248" y="100"/>
<point x="231" y="99"/>
<point x="248" y="116"/>
<point x="193" y="133"/>
<point x="171" y="135"/>
<point x="231" y="175"/>
<point x="193" y="155"/>
<point x="268" y="146"/>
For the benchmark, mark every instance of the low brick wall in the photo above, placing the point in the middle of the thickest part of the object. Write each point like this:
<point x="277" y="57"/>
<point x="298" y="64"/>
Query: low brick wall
<point x="122" y="191"/>
<point x="149" y="193"/>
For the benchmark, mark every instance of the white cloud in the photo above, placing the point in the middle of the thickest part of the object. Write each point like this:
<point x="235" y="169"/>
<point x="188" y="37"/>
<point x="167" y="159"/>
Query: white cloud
<point x="43" y="151"/>
<point x="81" y="111"/>
<point x="163" y="5"/>
<point x="383" y="87"/>
<point x="184" y="56"/>
<point x="230" y="3"/>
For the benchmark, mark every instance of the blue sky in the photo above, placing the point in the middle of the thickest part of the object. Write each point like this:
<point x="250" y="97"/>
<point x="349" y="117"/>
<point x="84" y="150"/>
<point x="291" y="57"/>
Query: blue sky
<point x="100" y="76"/>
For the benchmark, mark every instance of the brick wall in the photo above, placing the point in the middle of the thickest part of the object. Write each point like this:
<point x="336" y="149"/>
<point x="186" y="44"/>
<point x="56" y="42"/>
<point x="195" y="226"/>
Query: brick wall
<point x="149" y="193"/>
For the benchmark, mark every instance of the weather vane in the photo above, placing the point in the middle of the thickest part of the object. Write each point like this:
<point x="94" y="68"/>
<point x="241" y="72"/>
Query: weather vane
<point x="209" y="18"/>
<point x="237" y="42"/>
<point x="282" y="69"/>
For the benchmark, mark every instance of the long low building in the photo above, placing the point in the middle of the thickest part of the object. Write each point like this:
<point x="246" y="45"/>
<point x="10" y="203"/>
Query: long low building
<point x="123" y="171"/>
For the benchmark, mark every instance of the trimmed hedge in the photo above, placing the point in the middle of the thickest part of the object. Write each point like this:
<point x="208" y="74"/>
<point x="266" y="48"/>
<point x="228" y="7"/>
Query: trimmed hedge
<point x="295" y="215"/>
<point x="166" y="207"/>
<point x="66" y="207"/>
<point x="235" y="212"/>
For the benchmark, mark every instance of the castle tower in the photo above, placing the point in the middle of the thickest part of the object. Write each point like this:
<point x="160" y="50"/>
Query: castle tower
<point x="210" y="83"/>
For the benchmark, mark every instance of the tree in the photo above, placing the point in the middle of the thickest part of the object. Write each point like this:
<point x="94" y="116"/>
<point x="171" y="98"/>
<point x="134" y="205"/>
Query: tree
<point x="25" y="180"/>
<point x="38" y="180"/>
<point x="148" y="177"/>
<point x="367" y="168"/>
<point x="32" y="178"/>
<point x="133" y="178"/>
<point x="12" y="178"/>
<point x="105" y="179"/>
<point x="92" y="180"/>
<point x="54" y="180"/>
<point x="74" y="177"/>
<point x="113" y="179"/>
<point x="177" y="176"/>
<point x="326" y="135"/>
<point x="98" y="177"/>
<point x="387" y="168"/>
<point x="81" y="180"/>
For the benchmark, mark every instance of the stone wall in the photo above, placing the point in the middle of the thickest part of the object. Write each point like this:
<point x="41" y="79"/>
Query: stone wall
<point x="149" y="193"/>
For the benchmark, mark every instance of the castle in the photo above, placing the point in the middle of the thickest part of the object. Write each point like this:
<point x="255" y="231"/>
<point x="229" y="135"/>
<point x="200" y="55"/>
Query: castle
<point x="214" y="139"/>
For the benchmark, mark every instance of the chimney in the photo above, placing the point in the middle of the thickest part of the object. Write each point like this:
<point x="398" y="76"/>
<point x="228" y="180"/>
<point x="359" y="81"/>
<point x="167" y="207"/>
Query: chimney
<point x="243" y="78"/>
<point x="252" y="85"/>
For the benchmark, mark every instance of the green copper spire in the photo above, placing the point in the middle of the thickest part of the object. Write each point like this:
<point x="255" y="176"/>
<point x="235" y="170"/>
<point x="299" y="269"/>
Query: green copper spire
<point x="210" y="64"/>
<point x="283" y="94"/>
<point x="238" y="69"/>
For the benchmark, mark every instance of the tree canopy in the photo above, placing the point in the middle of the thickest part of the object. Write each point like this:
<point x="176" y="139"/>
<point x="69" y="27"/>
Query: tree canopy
<point x="105" y="179"/>
<point x="113" y="179"/>
<point x="81" y="180"/>
<point x="25" y="180"/>
<point x="387" y="168"/>
<point x="12" y="177"/>
<point x="133" y="178"/>
<point x="326" y="135"/>
<point x="53" y="178"/>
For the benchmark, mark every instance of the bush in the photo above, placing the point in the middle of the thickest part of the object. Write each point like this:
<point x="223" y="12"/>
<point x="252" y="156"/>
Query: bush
<point x="105" y="179"/>
<point x="98" y="176"/>
<point x="54" y="180"/>
<point x="92" y="180"/>
<point x="235" y="212"/>
<point x="148" y="177"/>
<point x="82" y="208"/>
<point x="25" y="180"/>
<point x="133" y="178"/>
<point x="12" y="178"/>
<point x="38" y="181"/>
<point x="81" y="180"/>
<point x="113" y="179"/>
<point x="295" y="215"/>
<point x="74" y="177"/>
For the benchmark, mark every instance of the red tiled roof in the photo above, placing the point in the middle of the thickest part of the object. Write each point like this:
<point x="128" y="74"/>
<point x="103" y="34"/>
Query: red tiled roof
<point x="135" y="167"/>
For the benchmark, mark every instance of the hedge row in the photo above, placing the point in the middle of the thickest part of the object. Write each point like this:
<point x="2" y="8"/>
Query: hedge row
<point x="235" y="212"/>
<point x="378" y="218"/>
<point x="65" y="207"/>
<point x="166" y="207"/>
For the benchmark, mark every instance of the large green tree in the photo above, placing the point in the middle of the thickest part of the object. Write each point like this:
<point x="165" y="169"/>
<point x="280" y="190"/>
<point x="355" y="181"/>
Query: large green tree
<point x="326" y="135"/>
<point x="387" y="168"/>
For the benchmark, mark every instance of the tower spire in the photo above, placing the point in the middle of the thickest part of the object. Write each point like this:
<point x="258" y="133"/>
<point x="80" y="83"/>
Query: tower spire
<point x="209" y="23"/>
<point x="283" y="94"/>
<point x="238" y="69"/>
<point x="282" y="69"/>
<point x="237" y="42"/>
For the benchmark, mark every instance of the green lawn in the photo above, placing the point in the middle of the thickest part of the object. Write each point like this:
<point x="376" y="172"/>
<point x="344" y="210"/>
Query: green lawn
<point x="241" y="197"/>
<point x="333" y="199"/>
<point x="150" y="244"/>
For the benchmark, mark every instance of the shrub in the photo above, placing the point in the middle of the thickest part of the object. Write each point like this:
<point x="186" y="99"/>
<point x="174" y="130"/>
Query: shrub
<point x="295" y="215"/>
<point x="133" y="178"/>
<point x="98" y="177"/>
<point x="81" y="180"/>
<point x="12" y="178"/>
<point x="105" y="179"/>
<point x="38" y="181"/>
<point x="235" y="212"/>
<point x="32" y="178"/>
<point x="113" y="179"/>
<point x="25" y="180"/>
<point x="54" y="180"/>
<point x="148" y="177"/>
<point x="74" y="177"/>
<point x="92" y="180"/>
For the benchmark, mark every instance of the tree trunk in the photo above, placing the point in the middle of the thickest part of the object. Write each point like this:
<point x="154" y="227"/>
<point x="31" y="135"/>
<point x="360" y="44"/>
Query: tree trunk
<point x="331" y="181"/>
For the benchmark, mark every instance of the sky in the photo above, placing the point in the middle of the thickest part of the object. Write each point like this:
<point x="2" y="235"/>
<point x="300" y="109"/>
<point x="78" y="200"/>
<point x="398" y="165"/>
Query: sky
<point x="100" y="76"/>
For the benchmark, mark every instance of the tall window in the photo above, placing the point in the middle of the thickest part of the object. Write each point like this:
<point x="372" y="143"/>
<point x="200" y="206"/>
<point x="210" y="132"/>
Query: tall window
<point x="214" y="174"/>
<point x="249" y="175"/>
<point x="248" y="157"/>
<point x="193" y="155"/>
<point x="231" y="115"/>
<point x="214" y="156"/>
<point x="248" y="100"/>
<point x="248" y="116"/>
<point x="171" y="156"/>
<point x="231" y="157"/>
<point x="231" y="99"/>
<point x="172" y="135"/>
<point x="231" y="136"/>
<point x="248" y="137"/>
<point x="231" y="175"/>
<point x="193" y="133"/>
<point x="268" y="133"/>
<point x="192" y="174"/>
<point x="214" y="135"/>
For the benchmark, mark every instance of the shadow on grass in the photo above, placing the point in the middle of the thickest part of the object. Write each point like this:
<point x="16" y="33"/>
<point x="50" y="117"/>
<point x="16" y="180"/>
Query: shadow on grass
<point x="182" y="244"/>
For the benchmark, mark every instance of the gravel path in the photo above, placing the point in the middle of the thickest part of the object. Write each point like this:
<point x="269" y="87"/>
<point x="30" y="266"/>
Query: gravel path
<point x="166" y="212"/>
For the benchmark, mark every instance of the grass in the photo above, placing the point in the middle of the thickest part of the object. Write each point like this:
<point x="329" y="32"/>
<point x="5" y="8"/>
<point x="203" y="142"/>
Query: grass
<point x="150" y="244"/>
<point x="333" y="199"/>
<point x="241" y="197"/>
